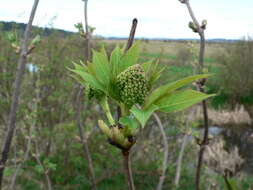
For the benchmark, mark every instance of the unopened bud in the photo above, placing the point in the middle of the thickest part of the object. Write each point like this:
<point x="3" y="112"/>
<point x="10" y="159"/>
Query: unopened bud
<point x="203" y="24"/>
<point x="193" y="27"/>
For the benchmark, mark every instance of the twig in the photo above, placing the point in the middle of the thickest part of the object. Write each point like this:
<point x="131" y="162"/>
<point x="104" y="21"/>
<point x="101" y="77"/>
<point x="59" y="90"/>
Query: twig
<point x="128" y="170"/>
<point x="227" y="182"/>
<point x="16" y="92"/>
<point x="37" y="157"/>
<point x="125" y="153"/>
<point x="200" y="30"/>
<point x="166" y="152"/>
<point x="180" y="157"/>
<point x="83" y="138"/>
<point x="79" y="104"/>
<point x="29" y="141"/>
<point x="87" y="32"/>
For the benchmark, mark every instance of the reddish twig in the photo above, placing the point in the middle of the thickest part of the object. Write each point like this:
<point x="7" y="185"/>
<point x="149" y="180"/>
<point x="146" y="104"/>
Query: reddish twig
<point x="200" y="30"/>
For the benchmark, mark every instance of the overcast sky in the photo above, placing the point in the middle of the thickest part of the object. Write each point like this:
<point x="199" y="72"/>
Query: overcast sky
<point x="157" y="18"/>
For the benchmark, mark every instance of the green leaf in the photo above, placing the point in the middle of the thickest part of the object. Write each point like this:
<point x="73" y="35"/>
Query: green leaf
<point x="232" y="183"/>
<point x="115" y="61"/>
<point x="78" y="79"/>
<point x="152" y="71"/>
<point x="168" y="88"/>
<point x="90" y="79"/>
<point x="36" y="40"/>
<point x="101" y="67"/>
<point x="143" y="115"/>
<point x="129" y="121"/>
<point x="130" y="58"/>
<point x="180" y="100"/>
<point x="80" y="67"/>
<point x="39" y="169"/>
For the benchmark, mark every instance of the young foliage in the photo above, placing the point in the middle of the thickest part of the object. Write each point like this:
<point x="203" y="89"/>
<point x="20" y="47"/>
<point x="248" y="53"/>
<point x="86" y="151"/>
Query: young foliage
<point x="130" y="85"/>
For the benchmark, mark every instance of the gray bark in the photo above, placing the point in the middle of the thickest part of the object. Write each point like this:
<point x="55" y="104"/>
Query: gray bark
<point x="16" y="92"/>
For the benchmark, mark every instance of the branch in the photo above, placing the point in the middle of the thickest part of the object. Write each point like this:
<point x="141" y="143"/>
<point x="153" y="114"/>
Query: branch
<point x="45" y="170"/>
<point x="87" y="32"/>
<point x="166" y="153"/>
<point x="128" y="170"/>
<point x="200" y="30"/>
<point x="29" y="137"/>
<point x="79" y="105"/>
<point x="180" y="157"/>
<point x="16" y="92"/>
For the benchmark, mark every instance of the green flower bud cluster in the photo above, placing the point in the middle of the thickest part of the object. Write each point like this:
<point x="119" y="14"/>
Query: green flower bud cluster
<point x="92" y="92"/>
<point x="132" y="85"/>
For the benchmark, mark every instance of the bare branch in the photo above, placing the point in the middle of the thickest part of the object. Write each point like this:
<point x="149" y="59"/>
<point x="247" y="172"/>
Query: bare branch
<point x="200" y="30"/>
<point x="29" y="140"/>
<point x="87" y="32"/>
<point x="16" y="92"/>
<point x="166" y="152"/>
<point x="79" y="103"/>
<point x="45" y="170"/>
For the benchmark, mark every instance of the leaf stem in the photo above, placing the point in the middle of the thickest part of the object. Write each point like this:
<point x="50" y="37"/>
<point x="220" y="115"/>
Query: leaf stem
<point x="106" y="108"/>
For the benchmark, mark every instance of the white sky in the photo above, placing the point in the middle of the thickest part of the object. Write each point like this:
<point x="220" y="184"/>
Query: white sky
<point x="157" y="18"/>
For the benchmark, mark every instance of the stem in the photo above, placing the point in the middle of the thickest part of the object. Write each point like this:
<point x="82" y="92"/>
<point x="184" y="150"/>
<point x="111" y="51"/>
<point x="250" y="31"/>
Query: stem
<point x="16" y="92"/>
<point x="46" y="172"/>
<point x="87" y="32"/>
<point x="179" y="161"/>
<point x="29" y="141"/>
<point x="106" y="108"/>
<point x="128" y="46"/>
<point x="166" y="153"/>
<point x="227" y="182"/>
<point x="128" y="170"/>
<point x="84" y="140"/>
<point x="79" y="105"/>
<point x="201" y="89"/>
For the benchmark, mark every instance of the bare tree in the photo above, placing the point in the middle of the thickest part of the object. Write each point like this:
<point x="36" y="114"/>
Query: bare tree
<point x="200" y="29"/>
<point x="16" y="92"/>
